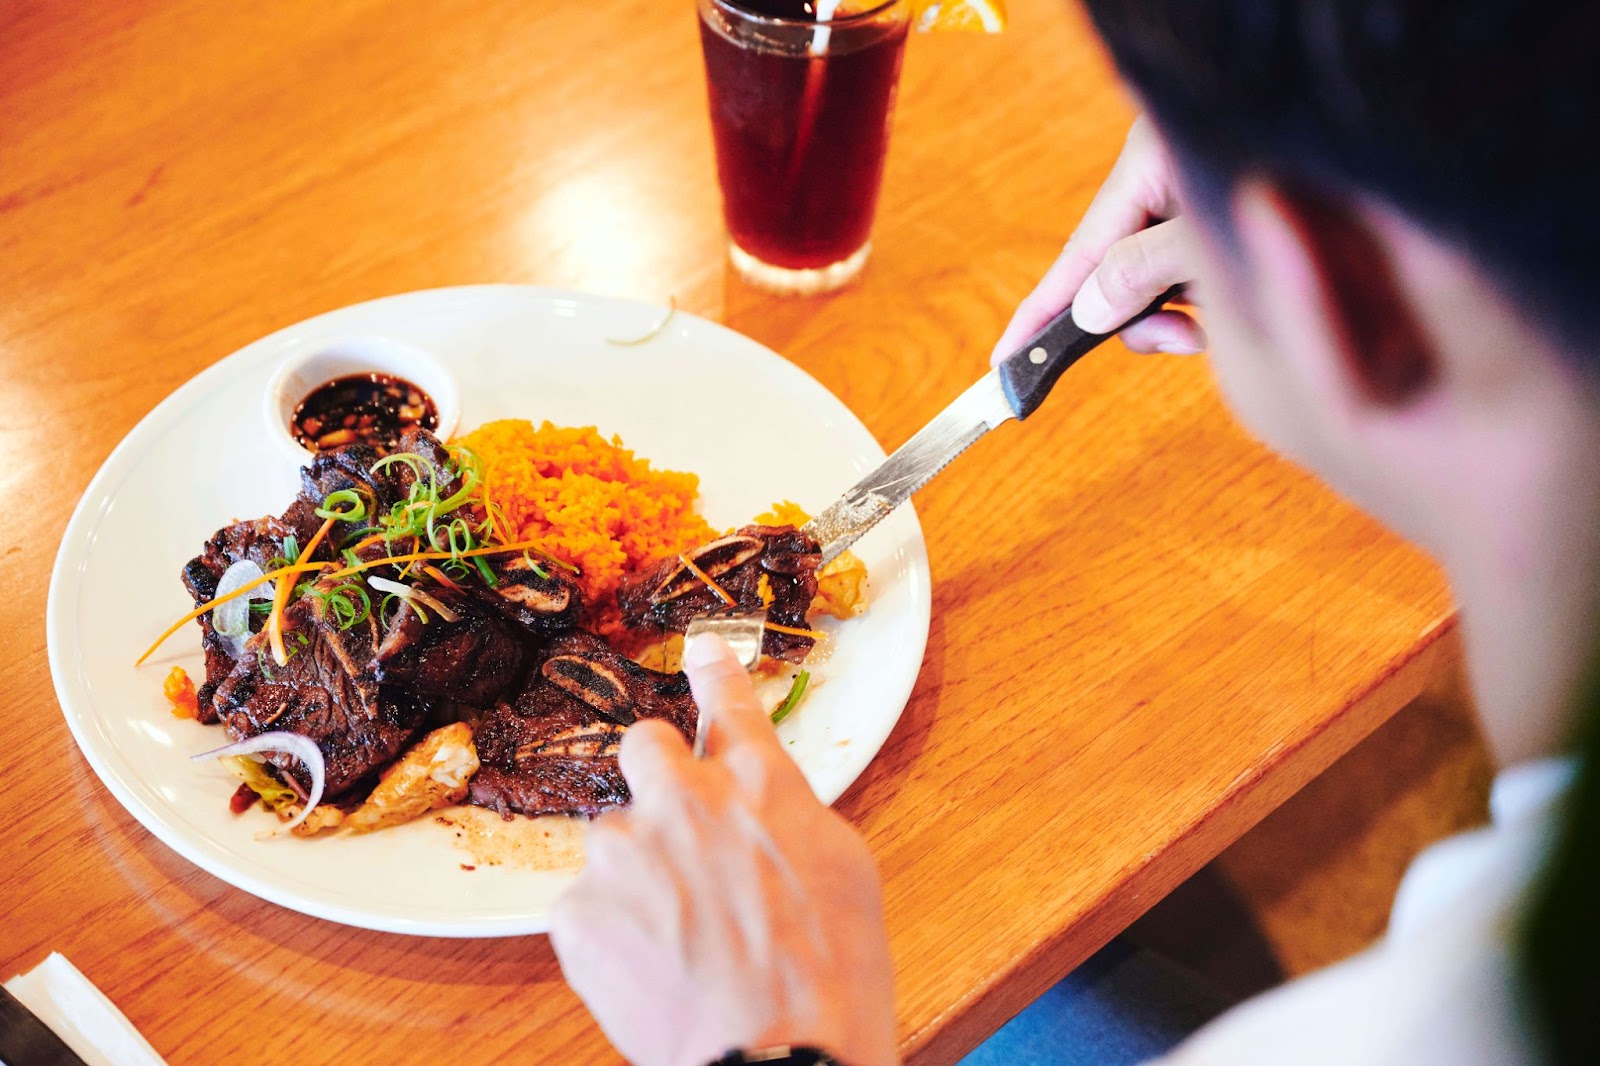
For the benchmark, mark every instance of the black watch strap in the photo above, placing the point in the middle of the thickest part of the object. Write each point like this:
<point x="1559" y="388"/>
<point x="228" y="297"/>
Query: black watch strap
<point x="778" y="1055"/>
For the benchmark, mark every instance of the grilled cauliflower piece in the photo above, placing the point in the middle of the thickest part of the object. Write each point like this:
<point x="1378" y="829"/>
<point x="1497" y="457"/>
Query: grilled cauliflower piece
<point x="432" y="774"/>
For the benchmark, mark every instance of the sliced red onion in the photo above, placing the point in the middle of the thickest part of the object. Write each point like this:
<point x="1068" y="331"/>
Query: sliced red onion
<point x="302" y="748"/>
<point x="231" y="620"/>
<point x="410" y="592"/>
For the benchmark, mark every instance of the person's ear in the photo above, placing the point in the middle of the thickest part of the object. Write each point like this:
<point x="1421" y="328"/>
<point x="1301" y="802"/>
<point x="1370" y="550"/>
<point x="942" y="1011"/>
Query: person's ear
<point x="1332" y="299"/>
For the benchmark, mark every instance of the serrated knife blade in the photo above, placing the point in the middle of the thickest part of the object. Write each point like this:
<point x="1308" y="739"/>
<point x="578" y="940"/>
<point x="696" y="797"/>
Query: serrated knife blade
<point x="1013" y="389"/>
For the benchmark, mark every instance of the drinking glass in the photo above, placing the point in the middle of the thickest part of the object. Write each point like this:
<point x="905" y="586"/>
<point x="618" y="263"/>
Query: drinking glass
<point x="800" y="111"/>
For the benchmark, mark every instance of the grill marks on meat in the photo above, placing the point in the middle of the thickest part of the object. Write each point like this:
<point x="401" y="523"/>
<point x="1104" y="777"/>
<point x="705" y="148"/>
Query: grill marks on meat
<point x="583" y="666"/>
<point x="558" y="699"/>
<point x="669" y="595"/>
<point x="541" y="605"/>
<point x="259" y="541"/>
<point x="473" y="660"/>
<point x="262" y="540"/>
<point x="327" y="692"/>
<point x="559" y="759"/>
<point x="553" y="749"/>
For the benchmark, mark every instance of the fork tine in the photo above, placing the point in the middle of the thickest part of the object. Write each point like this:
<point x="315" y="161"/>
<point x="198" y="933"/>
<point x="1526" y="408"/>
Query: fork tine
<point x="743" y="634"/>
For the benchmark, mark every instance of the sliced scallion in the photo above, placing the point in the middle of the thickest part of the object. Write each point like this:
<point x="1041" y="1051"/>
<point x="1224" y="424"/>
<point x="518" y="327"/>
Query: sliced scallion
<point x="484" y="572"/>
<point x="344" y="504"/>
<point x="796" y="692"/>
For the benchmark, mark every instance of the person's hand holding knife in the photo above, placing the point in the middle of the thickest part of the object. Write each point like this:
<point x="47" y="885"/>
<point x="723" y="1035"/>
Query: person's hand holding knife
<point x="1131" y="246"/>
<point x="727" y="909"/>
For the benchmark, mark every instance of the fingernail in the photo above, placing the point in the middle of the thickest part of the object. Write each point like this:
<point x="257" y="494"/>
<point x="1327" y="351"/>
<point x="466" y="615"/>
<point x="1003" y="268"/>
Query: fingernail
<point x="1090" y="310"/>
<point x="704" y="650"/>
<point x="1174" y="348"/>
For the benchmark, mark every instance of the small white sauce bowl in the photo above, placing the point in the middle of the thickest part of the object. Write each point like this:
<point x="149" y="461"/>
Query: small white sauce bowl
<point x="301" y="374"/>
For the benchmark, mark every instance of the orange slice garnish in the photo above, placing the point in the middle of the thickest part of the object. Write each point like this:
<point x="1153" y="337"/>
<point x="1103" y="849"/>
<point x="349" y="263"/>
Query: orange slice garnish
<point x="969" y="16"/>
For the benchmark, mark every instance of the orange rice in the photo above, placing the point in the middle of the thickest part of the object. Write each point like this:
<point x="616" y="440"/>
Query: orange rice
<point x="591" y="500"/>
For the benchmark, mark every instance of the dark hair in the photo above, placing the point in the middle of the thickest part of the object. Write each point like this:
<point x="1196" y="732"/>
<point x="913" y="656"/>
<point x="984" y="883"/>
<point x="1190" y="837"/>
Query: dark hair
<point x="1478" y="119"/>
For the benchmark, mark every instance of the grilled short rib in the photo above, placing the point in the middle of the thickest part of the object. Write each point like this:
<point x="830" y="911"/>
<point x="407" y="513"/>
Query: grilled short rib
<point x="262" y="540"/>
<point x="326" y="692"/>
<point x="555" y="700"/>
<point x="474" y="659"/>
<point x="670" y="594"/>
<point x="553" y="749"/>
<point x="542" y="599"/>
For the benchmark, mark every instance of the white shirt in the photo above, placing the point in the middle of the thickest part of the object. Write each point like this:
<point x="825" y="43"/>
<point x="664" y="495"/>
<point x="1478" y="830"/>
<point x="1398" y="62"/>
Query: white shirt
<point x="1440" y="986"/>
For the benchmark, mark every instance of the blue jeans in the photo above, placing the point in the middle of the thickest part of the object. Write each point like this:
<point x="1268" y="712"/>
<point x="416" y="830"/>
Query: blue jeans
<point x="1124" y="1005"/>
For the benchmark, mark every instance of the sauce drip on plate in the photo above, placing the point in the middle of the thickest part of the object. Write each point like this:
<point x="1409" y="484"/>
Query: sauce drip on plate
<point x="361" y="409"/>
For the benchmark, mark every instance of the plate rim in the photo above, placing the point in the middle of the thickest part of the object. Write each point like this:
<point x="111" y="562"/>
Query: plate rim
<point x="98" y="494"/>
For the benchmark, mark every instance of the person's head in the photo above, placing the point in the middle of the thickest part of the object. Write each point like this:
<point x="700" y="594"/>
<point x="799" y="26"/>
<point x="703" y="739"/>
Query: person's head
<point x="1401" y="237"/>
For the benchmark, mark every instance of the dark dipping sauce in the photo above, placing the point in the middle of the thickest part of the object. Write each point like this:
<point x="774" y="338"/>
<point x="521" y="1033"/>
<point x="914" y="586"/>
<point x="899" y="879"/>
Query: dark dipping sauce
<point x="367" y="409"/>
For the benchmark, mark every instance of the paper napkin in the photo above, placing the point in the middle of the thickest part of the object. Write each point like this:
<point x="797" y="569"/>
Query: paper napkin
<point x="81" y="1015"/>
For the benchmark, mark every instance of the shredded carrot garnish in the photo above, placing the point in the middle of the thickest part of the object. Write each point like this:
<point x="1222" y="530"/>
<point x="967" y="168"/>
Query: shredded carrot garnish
<point x="389" y="560"/>
<point x="302" y="568"/>
<point x="280" y="597"/>
<point x="764" y="591"/>
<point x="814" y="634"/>
<point x="405" y="571"/>
<point x="440" y="576"/>
<point x="721" y="592"/>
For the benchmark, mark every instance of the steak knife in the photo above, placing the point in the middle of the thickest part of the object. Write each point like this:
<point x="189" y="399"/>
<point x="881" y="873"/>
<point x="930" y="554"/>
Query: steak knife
<point x="1014" y="389"/>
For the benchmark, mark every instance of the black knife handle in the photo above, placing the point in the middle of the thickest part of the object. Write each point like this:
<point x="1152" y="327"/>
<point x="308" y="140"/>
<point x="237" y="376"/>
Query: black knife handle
<point x="26" y="1041"/>
<point x="1029" y="373"/>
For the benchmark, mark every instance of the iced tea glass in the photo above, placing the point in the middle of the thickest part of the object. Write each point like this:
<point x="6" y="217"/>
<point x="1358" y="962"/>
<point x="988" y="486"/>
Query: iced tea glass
<point x="800" y="111"/>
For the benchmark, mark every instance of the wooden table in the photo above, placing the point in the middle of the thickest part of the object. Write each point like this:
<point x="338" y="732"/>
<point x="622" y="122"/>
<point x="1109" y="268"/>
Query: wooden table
<point x="1147" y="631"/>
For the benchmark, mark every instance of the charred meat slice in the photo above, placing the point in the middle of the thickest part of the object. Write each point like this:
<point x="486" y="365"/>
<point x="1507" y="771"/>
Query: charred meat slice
<point x="670" y="594"/>
<point x="714" y="560"/>
<point x="584" y="666"/>
<point x="351" y="468"/>
<point x="263" y="539"/>
<point x="561" y="761"/>
<point x="326" y="692"/>
<point x="340" y="469"/>
<point x="540" y="603"/>
<point x="472" y="660"/>
<point x="436" y="459"/>
<point x="553" y="750"/>
<point x="259" y="541"/>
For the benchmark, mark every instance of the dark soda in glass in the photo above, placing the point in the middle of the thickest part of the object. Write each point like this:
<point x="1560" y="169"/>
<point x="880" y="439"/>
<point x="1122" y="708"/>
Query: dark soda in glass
<point x="800" y="115"/>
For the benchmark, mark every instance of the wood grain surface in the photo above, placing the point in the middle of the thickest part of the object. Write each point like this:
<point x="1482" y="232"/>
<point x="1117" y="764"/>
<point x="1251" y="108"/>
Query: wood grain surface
<point x="1147" y="632"/>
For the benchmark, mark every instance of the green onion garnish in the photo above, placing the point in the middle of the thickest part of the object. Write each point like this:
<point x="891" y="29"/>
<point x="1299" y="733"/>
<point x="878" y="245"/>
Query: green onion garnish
<point x="416" y="462"/>
<point x="345" y="505"/>
<point x="484" y="572"/>
<point x="383" y="608"/>
<point x="348" y="604"/>
<point x="792" y="700"/>
<point x="561" y="563"/>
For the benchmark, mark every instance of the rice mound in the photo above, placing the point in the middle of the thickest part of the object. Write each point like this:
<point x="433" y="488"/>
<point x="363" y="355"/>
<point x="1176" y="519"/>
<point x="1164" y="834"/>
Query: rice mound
<point x="591" y="501"/>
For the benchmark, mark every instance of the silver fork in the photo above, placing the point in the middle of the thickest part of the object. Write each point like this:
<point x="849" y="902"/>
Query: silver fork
<point x="743" y="631"/>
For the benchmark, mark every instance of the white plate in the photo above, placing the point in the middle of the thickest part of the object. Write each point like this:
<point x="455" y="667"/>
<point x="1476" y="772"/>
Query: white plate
<point x="698" y="397"/>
